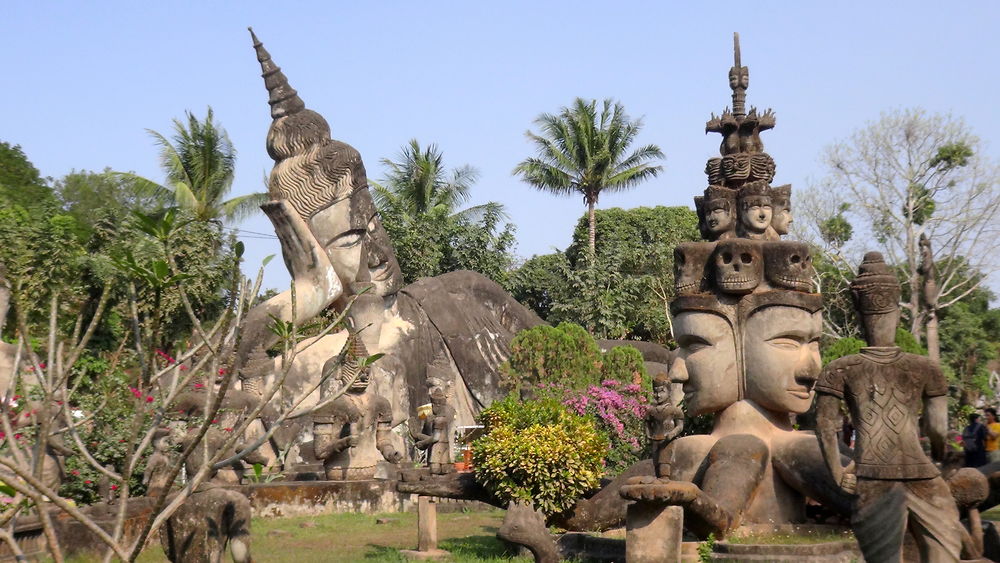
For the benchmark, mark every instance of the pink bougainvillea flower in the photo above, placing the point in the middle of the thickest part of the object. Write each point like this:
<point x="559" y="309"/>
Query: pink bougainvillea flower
<point x="75" y="472"/>
<point x="135" y="392"/>
<point x="114" y="487"/>
<point x="199" y="385"/>
<point x="222" y="371"/>
<point x="88" y="481"/>
<point x="149" y="398"/>
<point x="228" y="429"/>
<point x="215" y="421"/>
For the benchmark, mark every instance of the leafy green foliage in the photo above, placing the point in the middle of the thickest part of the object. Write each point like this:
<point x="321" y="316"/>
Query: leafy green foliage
<point x="624" y="288"/>
<point x="538" y="452"/>
<point x="200" y="162"/>
<point x="564" y="355"/>
<point x="584" y="151"/>
<point x="418" y="202"/>
<point x="836" y="229"/>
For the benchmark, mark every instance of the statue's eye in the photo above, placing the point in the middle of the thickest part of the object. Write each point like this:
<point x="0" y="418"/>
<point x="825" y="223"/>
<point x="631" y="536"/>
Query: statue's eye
<point x="785" y="343"/>
<point x="692" y="343"/>
<point x="348" y="239"/>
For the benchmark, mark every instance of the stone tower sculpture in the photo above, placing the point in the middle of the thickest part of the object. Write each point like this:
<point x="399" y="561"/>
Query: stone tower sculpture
<point x="747" y="321"/>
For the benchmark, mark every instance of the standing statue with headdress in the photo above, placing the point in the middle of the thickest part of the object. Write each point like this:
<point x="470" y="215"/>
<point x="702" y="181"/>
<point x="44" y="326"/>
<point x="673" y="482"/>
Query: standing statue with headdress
<point x="664" y="422"/>
<point x="434" y="432"/>
<point x="897" y="487"/>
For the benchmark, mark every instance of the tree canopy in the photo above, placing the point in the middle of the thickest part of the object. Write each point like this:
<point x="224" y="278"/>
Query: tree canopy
<point x="585" y="151"/>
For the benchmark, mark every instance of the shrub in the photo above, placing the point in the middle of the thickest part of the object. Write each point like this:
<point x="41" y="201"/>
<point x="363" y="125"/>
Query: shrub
<point x="538" y="452"/>
<point x="626" y="364"/>
<point x="619" y="410"/>
<point x="565" y="355"/>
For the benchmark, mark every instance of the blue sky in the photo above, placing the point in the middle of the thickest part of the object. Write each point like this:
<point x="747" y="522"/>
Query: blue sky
<point x="83" y="82"/>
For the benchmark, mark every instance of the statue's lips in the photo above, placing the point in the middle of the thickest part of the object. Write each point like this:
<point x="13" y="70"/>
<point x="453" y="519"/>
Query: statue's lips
<point x="800" y="392"/>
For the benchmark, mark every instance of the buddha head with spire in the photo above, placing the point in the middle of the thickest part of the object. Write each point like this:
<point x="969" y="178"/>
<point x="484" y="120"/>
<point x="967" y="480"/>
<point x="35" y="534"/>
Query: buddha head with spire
<point x="325" y="181"/>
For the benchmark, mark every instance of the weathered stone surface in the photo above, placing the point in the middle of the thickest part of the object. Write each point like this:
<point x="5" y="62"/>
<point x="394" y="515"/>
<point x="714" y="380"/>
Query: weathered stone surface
<point x="653" y="532"/>
<point x="896" y="486"/>
<point x="205" y="525"/>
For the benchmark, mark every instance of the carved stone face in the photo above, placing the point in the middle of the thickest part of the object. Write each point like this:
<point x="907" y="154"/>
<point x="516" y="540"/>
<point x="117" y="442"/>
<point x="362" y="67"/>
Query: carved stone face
<point x="756" y="215"/>
<point x="719" y="217"/>
<point x="355" y="240"/>
<point x="739" y="265"/>
<point x="781" y="355"/>
<point x="706" y="362"/>
<point x="739" y="78"/>
<point x="788" y="265"/>
<point x="782" y="220"/>
<point x="661" y="394"/>
<point x="690" y="260"/>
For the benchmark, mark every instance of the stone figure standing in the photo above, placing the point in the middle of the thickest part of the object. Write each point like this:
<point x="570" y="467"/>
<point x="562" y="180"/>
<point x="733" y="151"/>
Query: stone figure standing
<point x="436" y="433"/>
<point x="664" y="422"/>
<point x="158" y="467"/>
<point x="896" y="487"/>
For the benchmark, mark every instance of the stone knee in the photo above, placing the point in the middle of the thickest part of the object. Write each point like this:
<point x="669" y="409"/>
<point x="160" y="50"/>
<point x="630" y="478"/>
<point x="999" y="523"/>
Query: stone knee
<point x="736" y="466"/>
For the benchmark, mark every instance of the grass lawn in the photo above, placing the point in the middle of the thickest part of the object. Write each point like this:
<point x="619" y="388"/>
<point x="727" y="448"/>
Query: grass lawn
<point x="468" y="536"/>
<point x="791" y="539"/>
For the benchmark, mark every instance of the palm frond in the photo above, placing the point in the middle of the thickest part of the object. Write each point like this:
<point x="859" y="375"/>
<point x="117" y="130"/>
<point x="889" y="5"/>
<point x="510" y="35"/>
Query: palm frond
<point x="241" y="207"/>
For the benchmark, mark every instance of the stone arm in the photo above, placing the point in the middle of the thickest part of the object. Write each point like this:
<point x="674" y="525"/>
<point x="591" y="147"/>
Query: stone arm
<point x="325" y="440"/>
<point x="383" y="440"/>
<point x="828" y="422"/>
<point x="422" y="440"/>
<point x="316" y="284"/>
<point x="678" y="425"/>
<point x="935" y="423"/>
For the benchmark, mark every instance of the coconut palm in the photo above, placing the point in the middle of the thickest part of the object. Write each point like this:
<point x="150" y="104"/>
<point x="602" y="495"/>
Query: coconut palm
<point x="418" y="183"/>
<point x="581" y="151"/>
<point x="199" y="162"/>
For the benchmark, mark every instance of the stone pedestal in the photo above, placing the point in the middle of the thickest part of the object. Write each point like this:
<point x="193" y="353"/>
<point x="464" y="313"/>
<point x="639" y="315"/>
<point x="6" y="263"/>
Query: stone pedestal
<point x="653" y="532"/>
<point x="427" y="534"/>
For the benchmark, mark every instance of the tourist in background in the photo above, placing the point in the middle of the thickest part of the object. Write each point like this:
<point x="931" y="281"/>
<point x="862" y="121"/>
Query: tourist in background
<point x="992" y="435"/>
<point x="974" y="442"/>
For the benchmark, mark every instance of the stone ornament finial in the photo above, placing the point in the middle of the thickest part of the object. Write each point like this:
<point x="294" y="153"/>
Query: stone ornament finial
<point x="311" y="171"/>
<point x="283" y="99"/>
<point x="876" y="289"/>
<point x="744" y="167"/>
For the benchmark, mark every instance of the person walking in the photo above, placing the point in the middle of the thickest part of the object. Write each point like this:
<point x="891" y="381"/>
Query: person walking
<point x="974" y="442"/>
<point x="992" y="445"/>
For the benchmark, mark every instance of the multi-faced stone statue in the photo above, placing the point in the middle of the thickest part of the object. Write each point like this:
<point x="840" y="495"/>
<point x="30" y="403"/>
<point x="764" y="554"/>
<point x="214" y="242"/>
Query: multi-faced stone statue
<point x="748" y="354"/>
<point x="896" y="487"/>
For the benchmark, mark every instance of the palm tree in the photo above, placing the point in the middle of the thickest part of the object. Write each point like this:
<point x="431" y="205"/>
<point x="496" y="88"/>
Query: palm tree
<point x="583" y="152"/>
<point x="418" y="184"/>
<point x="199" y="162"/>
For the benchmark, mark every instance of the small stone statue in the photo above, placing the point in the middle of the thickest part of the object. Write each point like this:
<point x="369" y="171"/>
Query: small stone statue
<point x="351" y="433"/>
<point x="897" y="487"/>
<point x="756" y="211"/>
<point x="781" y="201"/>
<point x="105" y="492"/>
<point x="158" y="467"/>
<point x="664" y="422"/>
<point x="436" y="433"/>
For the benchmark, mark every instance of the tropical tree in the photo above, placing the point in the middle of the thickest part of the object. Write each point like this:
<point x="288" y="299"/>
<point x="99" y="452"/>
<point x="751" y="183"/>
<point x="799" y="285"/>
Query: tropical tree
<point x="417" y="183"/>
<point x="585" y="151"/>
<point x="418" y="201"/>
<point x="199" y="162"/>
<point x="908" y="175"/>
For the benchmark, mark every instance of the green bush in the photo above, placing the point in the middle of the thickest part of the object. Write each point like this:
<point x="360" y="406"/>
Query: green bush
<point x="564" y="355"/>
<point x="538" y="452"/>
<point x="626" y="364"/>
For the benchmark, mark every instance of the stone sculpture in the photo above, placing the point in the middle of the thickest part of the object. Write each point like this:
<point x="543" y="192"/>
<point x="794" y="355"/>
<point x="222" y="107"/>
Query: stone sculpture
<point x="747" y="323"/>
<point x="156" y="475"/>
<point x="435" y="432"/>
<point x="351" y="433"/>
<point x="896" y="487"/>
<point x="664" y="422"/>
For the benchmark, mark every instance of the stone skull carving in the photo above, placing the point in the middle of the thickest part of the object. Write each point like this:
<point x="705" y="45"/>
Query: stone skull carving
<point x="739" y="265"/>
<point x="788" y="265"/>
<point x="690" y="261"/>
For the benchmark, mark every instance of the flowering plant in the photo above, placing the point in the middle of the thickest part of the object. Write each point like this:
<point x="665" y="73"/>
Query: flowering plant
<point x="619" y="409"/>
